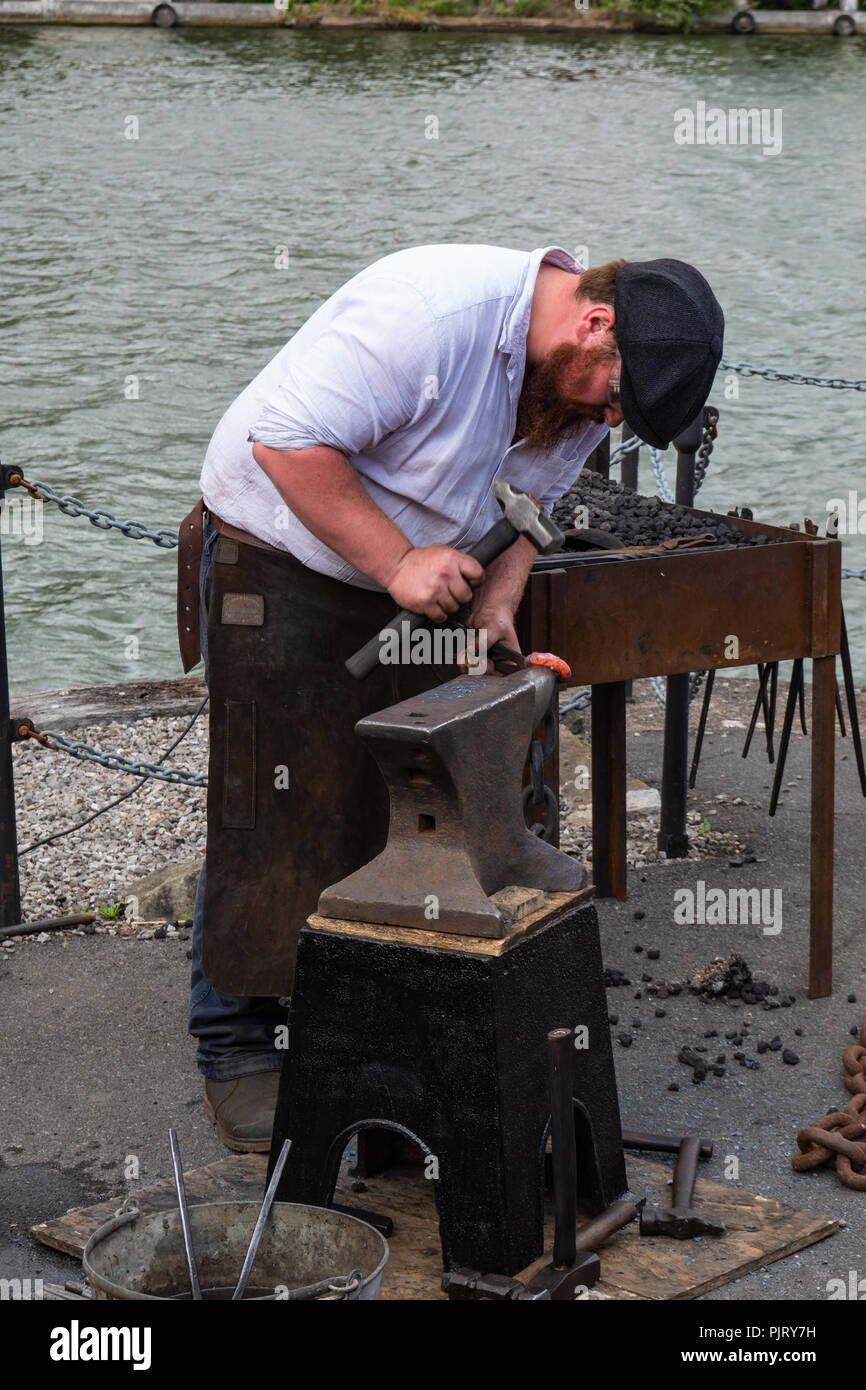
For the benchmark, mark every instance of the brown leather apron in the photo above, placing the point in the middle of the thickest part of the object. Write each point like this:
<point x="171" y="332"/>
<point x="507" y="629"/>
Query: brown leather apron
<point x="295" y="802"/>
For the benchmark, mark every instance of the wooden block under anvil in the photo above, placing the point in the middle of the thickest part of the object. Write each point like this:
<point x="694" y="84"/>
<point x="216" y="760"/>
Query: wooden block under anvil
<point x="453" y="761"/>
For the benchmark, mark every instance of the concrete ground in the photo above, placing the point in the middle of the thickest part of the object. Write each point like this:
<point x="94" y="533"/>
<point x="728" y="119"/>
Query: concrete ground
<point x="95" y="1063"/>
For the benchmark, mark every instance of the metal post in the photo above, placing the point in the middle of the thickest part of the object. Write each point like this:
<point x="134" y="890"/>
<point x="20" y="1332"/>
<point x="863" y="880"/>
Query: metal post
<point x="628" y="478"/>
<point x="599" y="459"/>
<point x="10" y="891"/>
<point x="629" y="461"/>
<point x="672" y="836"/>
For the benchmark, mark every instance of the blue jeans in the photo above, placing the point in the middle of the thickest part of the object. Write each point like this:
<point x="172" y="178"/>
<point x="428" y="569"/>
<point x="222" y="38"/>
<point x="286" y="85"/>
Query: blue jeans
<point x="236" y="1033"/>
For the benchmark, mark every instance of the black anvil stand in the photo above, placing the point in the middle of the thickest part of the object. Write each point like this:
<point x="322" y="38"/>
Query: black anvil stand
<point x="442" y="1036"/>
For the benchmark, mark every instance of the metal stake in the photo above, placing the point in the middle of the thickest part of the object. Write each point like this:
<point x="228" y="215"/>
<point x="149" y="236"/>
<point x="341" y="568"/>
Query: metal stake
<point x="184" y="1214"/>
<point x="560" y="1044"/>
<point x="672" y="837"/>
<point x="246" y="1267"/>
<point x="10" y="889"/>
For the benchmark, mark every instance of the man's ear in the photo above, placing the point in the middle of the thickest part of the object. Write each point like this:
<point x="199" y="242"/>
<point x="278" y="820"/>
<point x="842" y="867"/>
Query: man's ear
<point x="594" y="323"/>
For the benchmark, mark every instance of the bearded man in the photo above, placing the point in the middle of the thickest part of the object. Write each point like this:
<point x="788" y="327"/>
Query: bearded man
<point x="348" y="480"/>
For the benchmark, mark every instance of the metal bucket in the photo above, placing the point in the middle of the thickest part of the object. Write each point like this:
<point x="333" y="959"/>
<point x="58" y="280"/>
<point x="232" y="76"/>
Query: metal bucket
<point x="303" y="1251"/>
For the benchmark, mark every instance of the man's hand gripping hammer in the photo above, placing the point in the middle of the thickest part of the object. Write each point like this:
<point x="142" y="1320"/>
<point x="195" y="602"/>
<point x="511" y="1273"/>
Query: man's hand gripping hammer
<point x="522" y="516"/>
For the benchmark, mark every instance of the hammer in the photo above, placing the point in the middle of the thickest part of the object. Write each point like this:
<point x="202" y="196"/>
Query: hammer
<point x="573" y="1262"/>
<point x="681" y="1221"/>
<point x="522" y="517"/>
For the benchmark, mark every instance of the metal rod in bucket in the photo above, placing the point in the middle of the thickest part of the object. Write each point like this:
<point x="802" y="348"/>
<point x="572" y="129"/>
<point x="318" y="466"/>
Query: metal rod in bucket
<point x="184" y="1214"/>
<point x="270" y="1194"/>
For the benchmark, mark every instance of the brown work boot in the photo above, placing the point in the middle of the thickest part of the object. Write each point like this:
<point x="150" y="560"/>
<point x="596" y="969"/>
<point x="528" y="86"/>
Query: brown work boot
<point x="243" y="1110"/>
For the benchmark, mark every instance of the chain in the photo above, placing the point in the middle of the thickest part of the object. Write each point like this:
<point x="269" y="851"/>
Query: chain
<point x="839" y="1139"/>
<point x="110" y="760"/>
<point x="708" y="438"/>
<point x="659" y="689"/>
<point x="104" y="521"/>
<point x="619" y="453"/>
<point x="537" y="791"/>
<point x="835" y="383"/>
<point x="664" y="491"/>
<point x="582" y="700"/>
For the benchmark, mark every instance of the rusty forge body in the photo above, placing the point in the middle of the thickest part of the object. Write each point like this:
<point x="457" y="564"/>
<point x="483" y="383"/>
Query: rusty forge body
<point x="421" y="1005"/>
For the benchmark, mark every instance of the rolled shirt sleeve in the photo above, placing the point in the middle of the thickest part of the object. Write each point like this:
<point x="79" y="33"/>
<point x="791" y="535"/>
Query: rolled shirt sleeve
<point x="364" y="376"/>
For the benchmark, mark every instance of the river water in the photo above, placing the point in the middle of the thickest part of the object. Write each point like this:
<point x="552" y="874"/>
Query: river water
<point x="149" y="175"/>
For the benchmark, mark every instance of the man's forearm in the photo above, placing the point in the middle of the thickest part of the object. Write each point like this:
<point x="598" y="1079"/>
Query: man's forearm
<point x="505" y="579"/>
<point x="324" y="492"/>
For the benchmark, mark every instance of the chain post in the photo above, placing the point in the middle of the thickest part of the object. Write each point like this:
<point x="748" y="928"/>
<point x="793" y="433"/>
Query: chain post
<point x="10" y="885"/>
<point x="672" y="836"/>
<point x="630" y="461"/>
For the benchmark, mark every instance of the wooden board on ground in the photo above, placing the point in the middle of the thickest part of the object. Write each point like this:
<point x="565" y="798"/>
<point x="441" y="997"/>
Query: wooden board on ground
<point x="760" y="1231"/>
<point x="109" y="704"/>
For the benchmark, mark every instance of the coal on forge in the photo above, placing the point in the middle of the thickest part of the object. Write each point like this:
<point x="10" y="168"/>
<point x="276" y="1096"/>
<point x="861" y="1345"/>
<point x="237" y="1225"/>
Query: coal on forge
<point x="597" y="511"/>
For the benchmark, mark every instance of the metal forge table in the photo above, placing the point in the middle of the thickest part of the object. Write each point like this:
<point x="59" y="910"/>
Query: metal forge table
<point x="616" y="619"/>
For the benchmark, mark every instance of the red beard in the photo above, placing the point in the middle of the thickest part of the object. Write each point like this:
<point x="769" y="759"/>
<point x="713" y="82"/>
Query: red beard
<point x="545" y="413"/>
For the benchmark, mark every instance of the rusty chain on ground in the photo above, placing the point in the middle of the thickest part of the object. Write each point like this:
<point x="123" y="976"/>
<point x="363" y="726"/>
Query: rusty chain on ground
<point x="839" y="1138"/>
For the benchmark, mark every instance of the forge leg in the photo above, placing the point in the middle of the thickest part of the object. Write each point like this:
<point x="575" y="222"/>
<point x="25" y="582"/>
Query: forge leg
<point x="823" y="792"/>
<point x="609" y="790"/>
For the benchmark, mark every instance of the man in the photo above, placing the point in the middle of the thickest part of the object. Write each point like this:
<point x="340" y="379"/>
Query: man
<point x="346" y="481"/>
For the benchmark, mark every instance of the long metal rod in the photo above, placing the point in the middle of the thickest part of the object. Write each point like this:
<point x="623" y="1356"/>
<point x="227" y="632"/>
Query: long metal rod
<point x="702" y="724"/>
<point x="853" y="717"/>
<point x="771" y="725"/>
<point x="760" y="703"/>
<point x="47" y="924"/>
<point x="560" y="1043"/>
<point x="184" y="1214"/>
<point x="10" y="887"/>
<point x="249" y="1258"/>
<point x="839" y="710"/>
<point x="661" y="1143"/>
<point x="787" y="725"/>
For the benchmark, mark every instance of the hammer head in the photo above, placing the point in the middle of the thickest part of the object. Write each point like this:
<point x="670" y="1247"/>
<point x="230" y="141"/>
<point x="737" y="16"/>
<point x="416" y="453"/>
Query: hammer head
<point x="679" y="1223"/>
<point x="528" y="518"/>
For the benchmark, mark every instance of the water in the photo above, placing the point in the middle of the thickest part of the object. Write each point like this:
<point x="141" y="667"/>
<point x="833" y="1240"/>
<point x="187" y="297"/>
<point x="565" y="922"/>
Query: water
<point x="154" y="258"/>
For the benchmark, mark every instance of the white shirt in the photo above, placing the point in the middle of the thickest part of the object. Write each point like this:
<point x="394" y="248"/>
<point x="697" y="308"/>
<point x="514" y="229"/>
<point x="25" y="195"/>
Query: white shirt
<point x="413" y="370"/>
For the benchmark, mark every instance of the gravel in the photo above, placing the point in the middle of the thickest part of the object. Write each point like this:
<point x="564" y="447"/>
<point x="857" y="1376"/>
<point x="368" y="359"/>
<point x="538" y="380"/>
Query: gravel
<point x="160" y="823"/>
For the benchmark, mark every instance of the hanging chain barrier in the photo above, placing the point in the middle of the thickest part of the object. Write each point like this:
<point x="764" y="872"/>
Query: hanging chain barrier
<point x="835" y="383"/>
<point x="709" y="435"/>
<point x="102" y="520"/>
<point x="839" y="1139"/>
<point x="537" y="792"/>
<point x="167" y="540"/>
<point x="113" y="761"/>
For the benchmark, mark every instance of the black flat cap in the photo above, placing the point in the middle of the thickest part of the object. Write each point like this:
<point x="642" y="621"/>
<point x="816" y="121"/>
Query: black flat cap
<point x="669" y="329"/>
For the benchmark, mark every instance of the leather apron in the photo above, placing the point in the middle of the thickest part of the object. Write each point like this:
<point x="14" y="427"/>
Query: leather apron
<point x="295" y="801"/>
